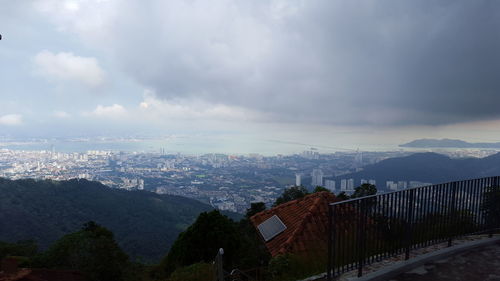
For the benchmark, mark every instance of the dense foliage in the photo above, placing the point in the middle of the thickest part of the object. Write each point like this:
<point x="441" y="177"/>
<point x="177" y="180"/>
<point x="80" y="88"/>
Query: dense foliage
<point x="363" y="190"/>
<point x="292" y="193"/>
<point x="92" y="251"/>
<point x="25" y="248"/>
<point x="202" y="240"/>
<point x="145" y="224"/>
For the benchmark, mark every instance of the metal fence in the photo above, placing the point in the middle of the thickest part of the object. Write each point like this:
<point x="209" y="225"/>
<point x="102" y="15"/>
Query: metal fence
<point x="369" y="229"/>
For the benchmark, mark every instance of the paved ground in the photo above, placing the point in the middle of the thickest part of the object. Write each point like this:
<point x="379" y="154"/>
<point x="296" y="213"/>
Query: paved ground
<point x="481" y="264"/>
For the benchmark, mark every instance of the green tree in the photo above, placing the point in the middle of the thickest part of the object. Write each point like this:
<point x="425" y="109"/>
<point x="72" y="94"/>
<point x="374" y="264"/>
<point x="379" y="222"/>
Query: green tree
<point x="363" y="190"/>
<point x="342" y="196"/>
<point x="320" y="189"/>
<point x="252" y="252"/>
<point x="24" y="248"/>
<point x="92" y="250"/>
<point x="292" y="193"/>
<point x="202" y="240"/>
<point x="254" y="209"/>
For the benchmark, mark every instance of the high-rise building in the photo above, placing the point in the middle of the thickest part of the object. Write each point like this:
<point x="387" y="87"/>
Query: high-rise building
<point x="317" y="177"/>
<point x="343" y="185"/>
<point x="330" y="185"/>
<point x="363" y="181"/>
<point x="298" y="179"/>
<point x="402" y="185"/>
<point x="391" y="185"/>
<point x="350" y="184"/>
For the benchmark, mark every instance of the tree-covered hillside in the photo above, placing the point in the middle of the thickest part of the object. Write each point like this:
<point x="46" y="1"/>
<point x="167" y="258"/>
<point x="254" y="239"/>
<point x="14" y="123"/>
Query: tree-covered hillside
<point x="145" y="224"/>
<point x="428" y="168"/>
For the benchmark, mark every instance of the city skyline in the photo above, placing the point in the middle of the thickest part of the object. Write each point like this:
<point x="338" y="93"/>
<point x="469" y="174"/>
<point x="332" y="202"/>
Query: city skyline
<point x="325" y="73"/>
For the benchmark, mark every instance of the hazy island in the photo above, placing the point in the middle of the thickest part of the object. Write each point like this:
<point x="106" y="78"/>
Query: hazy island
<point x="449" y="143"/>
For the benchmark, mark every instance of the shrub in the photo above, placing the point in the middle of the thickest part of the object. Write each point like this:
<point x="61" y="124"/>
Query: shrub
<point x="194" y="272"/>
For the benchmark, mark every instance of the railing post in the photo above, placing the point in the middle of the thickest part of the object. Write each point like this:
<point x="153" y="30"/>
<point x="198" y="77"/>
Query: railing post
<point x="409" y="224"/>
<point x="453" y="210"/>
<point x="219" y="266"/>
<point x="331" y="259"/>
<point x="361" y="236"/>
<point x="491" y="216"/>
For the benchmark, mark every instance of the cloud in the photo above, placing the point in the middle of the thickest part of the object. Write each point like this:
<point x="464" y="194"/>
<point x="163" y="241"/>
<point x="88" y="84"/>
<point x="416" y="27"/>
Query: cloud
<point x="61" y="114"/>
<point x="156" y="108"/>
<point x="11" y="120"/>
<point x="335" y="62"/>
<point x="69" y="67"/>
<point x="112" y="111"/>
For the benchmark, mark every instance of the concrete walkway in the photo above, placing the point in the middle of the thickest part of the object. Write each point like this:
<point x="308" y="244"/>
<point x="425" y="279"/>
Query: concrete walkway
<point x="481" y="264"/>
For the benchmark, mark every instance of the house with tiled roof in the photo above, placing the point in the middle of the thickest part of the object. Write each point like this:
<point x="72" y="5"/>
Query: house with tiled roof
<point x="298" y="227"/>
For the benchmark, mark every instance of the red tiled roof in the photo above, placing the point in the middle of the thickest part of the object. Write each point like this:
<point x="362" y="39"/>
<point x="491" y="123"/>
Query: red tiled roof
<point x="28" y="274"/>
<point x="306" y="220"/>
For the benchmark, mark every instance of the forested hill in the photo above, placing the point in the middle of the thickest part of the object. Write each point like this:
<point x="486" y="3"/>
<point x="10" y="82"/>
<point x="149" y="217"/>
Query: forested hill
<point x="145" y="224"/>
<point x="429" y="168"/>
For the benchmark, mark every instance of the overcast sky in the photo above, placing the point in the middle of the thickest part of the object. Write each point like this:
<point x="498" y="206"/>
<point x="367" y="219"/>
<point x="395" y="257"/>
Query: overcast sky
<point x="337" y="72"/>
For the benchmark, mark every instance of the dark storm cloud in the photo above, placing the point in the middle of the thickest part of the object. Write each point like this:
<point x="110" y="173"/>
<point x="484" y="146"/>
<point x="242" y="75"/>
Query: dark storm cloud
<point x="339" y="62"/>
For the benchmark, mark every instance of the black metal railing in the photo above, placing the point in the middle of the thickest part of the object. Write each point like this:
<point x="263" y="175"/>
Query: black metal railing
<point x="369" y="229"/>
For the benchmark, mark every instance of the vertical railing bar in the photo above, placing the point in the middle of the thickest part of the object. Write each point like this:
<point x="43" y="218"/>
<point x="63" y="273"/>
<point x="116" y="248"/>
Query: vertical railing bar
<point x="331" y="258"/>
<point x="479" y="201"/>
<point x="468" y="205"/>
<point x="370" y="242"/>
<point x="435" y="216"/>
<point x="425" y="213"/>
<point x="481" y="204"/>
<point x="424" y="218"/>
<point x="417" y="216"/>
<point x="497" y="191"/>
<point x="409" y="219"/>
<point x="477" y="198"/>
<point x="385" y="211"/>
<point x="432" y="225"/>
<point x="381" y="227"/>
<point x="398" y="213"/>
<point x="461" y="207"/>
<point x="432" y="205"/>
<point x="393" y="211"/>
<point x="423" y="204"/>
<point x="488" y="220"/>
<point x="416" y="211"/>
<point x="389" y="222"/>
<point x="418" y="219"/>
<point x="404" y="215"/>
<point x="342" y="243"/>
<point x="491" y="215"/>
<point x="441" y="211"/>
<point x="451" y="221"/>
<point x="435" y="213"/>
<point x="447" y="209"/>
<point x="472" y="203"/>
<point x="359" y="236"/>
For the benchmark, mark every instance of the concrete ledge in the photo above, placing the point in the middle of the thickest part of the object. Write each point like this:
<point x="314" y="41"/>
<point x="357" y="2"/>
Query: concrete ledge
<point x="400" y="267"/>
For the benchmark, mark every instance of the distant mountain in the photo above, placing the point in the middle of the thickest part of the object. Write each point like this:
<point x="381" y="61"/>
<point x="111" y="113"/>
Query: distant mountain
<point x="448" y="143"/>
<point x="428" y="168"/>
<point x="145" y="224"/>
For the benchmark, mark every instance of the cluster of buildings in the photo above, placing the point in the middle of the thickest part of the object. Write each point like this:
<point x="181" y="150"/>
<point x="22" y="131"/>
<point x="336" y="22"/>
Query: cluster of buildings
<point x="227" y="182"/>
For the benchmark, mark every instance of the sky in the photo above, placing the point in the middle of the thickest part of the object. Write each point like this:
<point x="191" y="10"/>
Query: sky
<point x="323" y="72"/>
